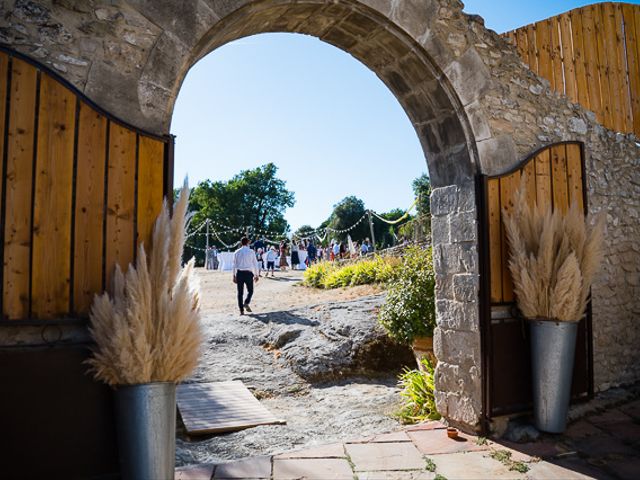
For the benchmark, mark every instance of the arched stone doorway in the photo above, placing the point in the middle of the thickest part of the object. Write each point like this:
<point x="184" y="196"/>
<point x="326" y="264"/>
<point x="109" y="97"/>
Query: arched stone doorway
<point x="435" y="109"/>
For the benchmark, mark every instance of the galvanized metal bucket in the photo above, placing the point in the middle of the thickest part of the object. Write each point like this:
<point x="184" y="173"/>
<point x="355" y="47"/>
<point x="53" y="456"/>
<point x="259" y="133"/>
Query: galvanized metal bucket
<point x="146" y="424"/>
<point x="553" y="346"/>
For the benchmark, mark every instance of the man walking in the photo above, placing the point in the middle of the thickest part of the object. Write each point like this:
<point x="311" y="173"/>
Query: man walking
<point x="245" y="272"/>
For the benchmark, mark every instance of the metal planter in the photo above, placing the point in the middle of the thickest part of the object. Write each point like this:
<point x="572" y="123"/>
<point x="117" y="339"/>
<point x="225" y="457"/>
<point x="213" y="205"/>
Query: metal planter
<point x="146" y="424"/>
<point x="553" y="346"/>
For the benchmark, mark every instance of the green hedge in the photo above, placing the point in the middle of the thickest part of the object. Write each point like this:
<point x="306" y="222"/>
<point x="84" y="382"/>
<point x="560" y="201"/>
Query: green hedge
<point x="363" y="272"/>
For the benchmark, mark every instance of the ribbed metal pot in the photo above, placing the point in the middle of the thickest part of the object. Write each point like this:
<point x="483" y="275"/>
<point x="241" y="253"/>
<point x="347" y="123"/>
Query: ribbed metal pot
<point x="146" y="424"/>
<point x="553" y="346"/>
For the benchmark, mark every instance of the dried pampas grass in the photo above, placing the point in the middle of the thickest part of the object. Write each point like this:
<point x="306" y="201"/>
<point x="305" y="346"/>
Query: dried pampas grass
<point x="149" y="329"/>
<point x="553" y="260"/>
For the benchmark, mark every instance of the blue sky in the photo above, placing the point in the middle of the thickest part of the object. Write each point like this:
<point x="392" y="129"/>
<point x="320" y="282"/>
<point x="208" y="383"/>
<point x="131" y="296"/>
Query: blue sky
<point x="329" y="124"/>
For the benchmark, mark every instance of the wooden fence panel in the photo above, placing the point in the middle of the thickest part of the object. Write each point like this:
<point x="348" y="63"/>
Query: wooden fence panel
<point x="592" y="55"/>
<point x="52" y="201"/>
<point x="89" y="213"/>
<point x="71" y="203"/>
<point x="554" y="178"/>
<point x="19" y="170"/>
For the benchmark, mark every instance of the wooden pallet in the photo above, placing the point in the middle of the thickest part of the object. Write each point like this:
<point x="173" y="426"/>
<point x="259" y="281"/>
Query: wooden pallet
<point x="221" y="407"/>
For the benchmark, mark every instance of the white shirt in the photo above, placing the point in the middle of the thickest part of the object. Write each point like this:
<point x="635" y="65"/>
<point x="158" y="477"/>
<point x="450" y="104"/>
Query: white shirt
<point x="245" y="259"/>
<point x="271" y="256"/>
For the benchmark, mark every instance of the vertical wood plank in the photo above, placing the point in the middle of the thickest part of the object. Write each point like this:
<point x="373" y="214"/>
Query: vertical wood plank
<point x="17" y="234"/>
<point x="530" y="171"/>
<point x="614" y="70"/>
<point x="568" y="60"/>
<point x="523" y="46"/>
<point x="543" y="179"/>
<point x="591" y="62"/>
<point x="636" y="94"/>
<point x="508" y="187"/>
<point x="559" y="178"/>
<point x="87" y="277"/>
<point x="50" y="282"/>
<point x="4" y="68"/>
<point x="533" y="51"/>
<point x="574" y="175"/>
<point x="621" y="73"/>
<point x="633" y="62"/>
<point x="582" y="89"/>
<point x="556" y="55"/>
<point x="543" y="46"/>
<point x="495" y="240"/>
<point x="121" y="201"/>
<point x="603" y="66"/>
<point x="150" y="186"/>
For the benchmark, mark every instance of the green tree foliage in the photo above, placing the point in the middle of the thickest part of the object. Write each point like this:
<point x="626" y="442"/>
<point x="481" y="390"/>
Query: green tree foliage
<point x="386" y="234"/>
<point x="422" y="190"/>
<point x="346" y="213"/>
<point x="304" y="231"/>
<point x="256" y="198"/>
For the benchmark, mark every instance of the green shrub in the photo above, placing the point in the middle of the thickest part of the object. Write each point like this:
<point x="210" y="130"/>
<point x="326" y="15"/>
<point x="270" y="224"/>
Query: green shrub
<point x="409" y="310"/>
<point x="363" y="272"/>
<point x="417" y="393"/>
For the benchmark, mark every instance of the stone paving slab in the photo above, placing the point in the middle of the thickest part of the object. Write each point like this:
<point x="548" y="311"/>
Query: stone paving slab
<point x="195" y="472"/>
<point x="407" y="475"/>
<point x="246" y="469"/>
<point x="549" y="471"/>
<point x="335" y="450"/>
<point x="311" y="469"/>
<point x="473" y="466"/>
<point x="385" y="456"/>
<point x="436" y="442"/>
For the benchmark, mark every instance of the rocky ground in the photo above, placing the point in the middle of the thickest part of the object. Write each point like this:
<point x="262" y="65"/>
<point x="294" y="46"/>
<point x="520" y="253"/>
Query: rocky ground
<point x="317" y="359"/>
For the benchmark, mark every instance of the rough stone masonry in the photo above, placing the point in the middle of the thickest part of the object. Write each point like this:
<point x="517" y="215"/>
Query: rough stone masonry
<point x="475" y="106"/>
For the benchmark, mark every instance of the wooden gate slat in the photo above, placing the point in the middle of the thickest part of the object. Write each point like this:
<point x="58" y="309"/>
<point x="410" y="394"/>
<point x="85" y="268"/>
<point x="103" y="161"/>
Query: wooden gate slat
<point x="559" y="178"/>
<point x="4" y="70"/>
<point x="556" y="55"/>
<point x="579" y="55"/>
<point x="88" y="245"/>
<point x="574" y="175"/>
<point x="121" y="201"/>
<point x="495" y="239"/>
<point x="543" y="179"/>
<point x="522" y="46"/>
<point x="622" y="73"/>
<point x="508" y="188"/>
<point x="591" y="63"/>
<point x="50" y="282"/>
<point x="17" y="234"/>
<point x="603" y="66"/>
<point x="543" y="46"/>
<point x="568" y="60"/>
<point x="613" y="68"/>
<point x="150" y="180"/>
<point x="531" y="44"/>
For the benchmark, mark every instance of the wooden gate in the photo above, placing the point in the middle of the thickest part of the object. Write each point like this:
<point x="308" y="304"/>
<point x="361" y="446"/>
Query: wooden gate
<point x="555" y="176"/>
<point x="79" y="190"/>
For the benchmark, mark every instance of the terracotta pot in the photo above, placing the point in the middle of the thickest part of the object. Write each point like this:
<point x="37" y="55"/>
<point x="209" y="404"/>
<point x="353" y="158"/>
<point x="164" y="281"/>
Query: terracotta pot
<point x="423" y="347"/>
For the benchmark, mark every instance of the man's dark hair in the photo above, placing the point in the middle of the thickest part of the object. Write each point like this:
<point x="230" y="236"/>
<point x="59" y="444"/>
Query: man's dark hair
<point x="244" y="241"/>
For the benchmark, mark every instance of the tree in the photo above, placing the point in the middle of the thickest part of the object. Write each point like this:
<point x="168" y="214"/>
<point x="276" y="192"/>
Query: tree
<point x="422" y="190"/>
<point x="386" y="233"/>
<point x="304" y="231"/>
<point x="345" y="214"/>
<point x="254" y="198"/>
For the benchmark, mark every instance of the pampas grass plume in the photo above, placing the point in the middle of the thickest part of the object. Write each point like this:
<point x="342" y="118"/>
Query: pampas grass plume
<point x="148" y="330"/>
<point x="553" y="258"/>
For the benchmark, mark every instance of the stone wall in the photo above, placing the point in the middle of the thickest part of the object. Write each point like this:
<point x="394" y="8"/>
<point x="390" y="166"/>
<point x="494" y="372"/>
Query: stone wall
<point x="475" y="106"/>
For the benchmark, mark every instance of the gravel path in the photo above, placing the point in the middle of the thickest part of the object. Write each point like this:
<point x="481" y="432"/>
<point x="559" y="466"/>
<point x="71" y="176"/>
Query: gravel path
<point x="316" y="413"/>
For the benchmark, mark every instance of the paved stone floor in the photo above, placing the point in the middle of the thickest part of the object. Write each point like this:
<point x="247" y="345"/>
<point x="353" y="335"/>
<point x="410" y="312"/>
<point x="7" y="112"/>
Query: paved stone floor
<point x="604" y="445"/>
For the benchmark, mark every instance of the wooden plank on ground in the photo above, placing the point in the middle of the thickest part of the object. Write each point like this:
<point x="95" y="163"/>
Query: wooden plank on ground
<point x="579" y="56"/>
<point x="51" y="266"/>
<point x="121" y="199"/>
<point x="150" y="186"/>
<point x="495" y="239"/>
<point x="220" y="407"/>
<point x="591" y="62"/>
<point x="559" y="177"/>
<point x="88" y="248"/>
<point x="568" y="61"/>
<point x="633" y="62"/>
<point x="508" y="187"/>
<point x="17" y="233"/>
<point x="574" y="174"/>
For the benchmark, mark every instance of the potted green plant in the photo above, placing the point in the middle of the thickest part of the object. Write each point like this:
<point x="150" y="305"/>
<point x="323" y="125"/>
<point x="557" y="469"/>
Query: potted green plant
<point x="553" y="258"/>
<point x="147" y="339"/>
<point x="409" y="312"/>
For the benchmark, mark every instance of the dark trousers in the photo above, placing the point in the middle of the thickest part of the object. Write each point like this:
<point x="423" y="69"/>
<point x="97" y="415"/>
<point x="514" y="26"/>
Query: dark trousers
<point x="244" y="277"/>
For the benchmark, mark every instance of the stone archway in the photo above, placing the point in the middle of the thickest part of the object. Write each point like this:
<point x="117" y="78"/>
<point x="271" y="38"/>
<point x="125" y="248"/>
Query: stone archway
<point x="422" y="50"/>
